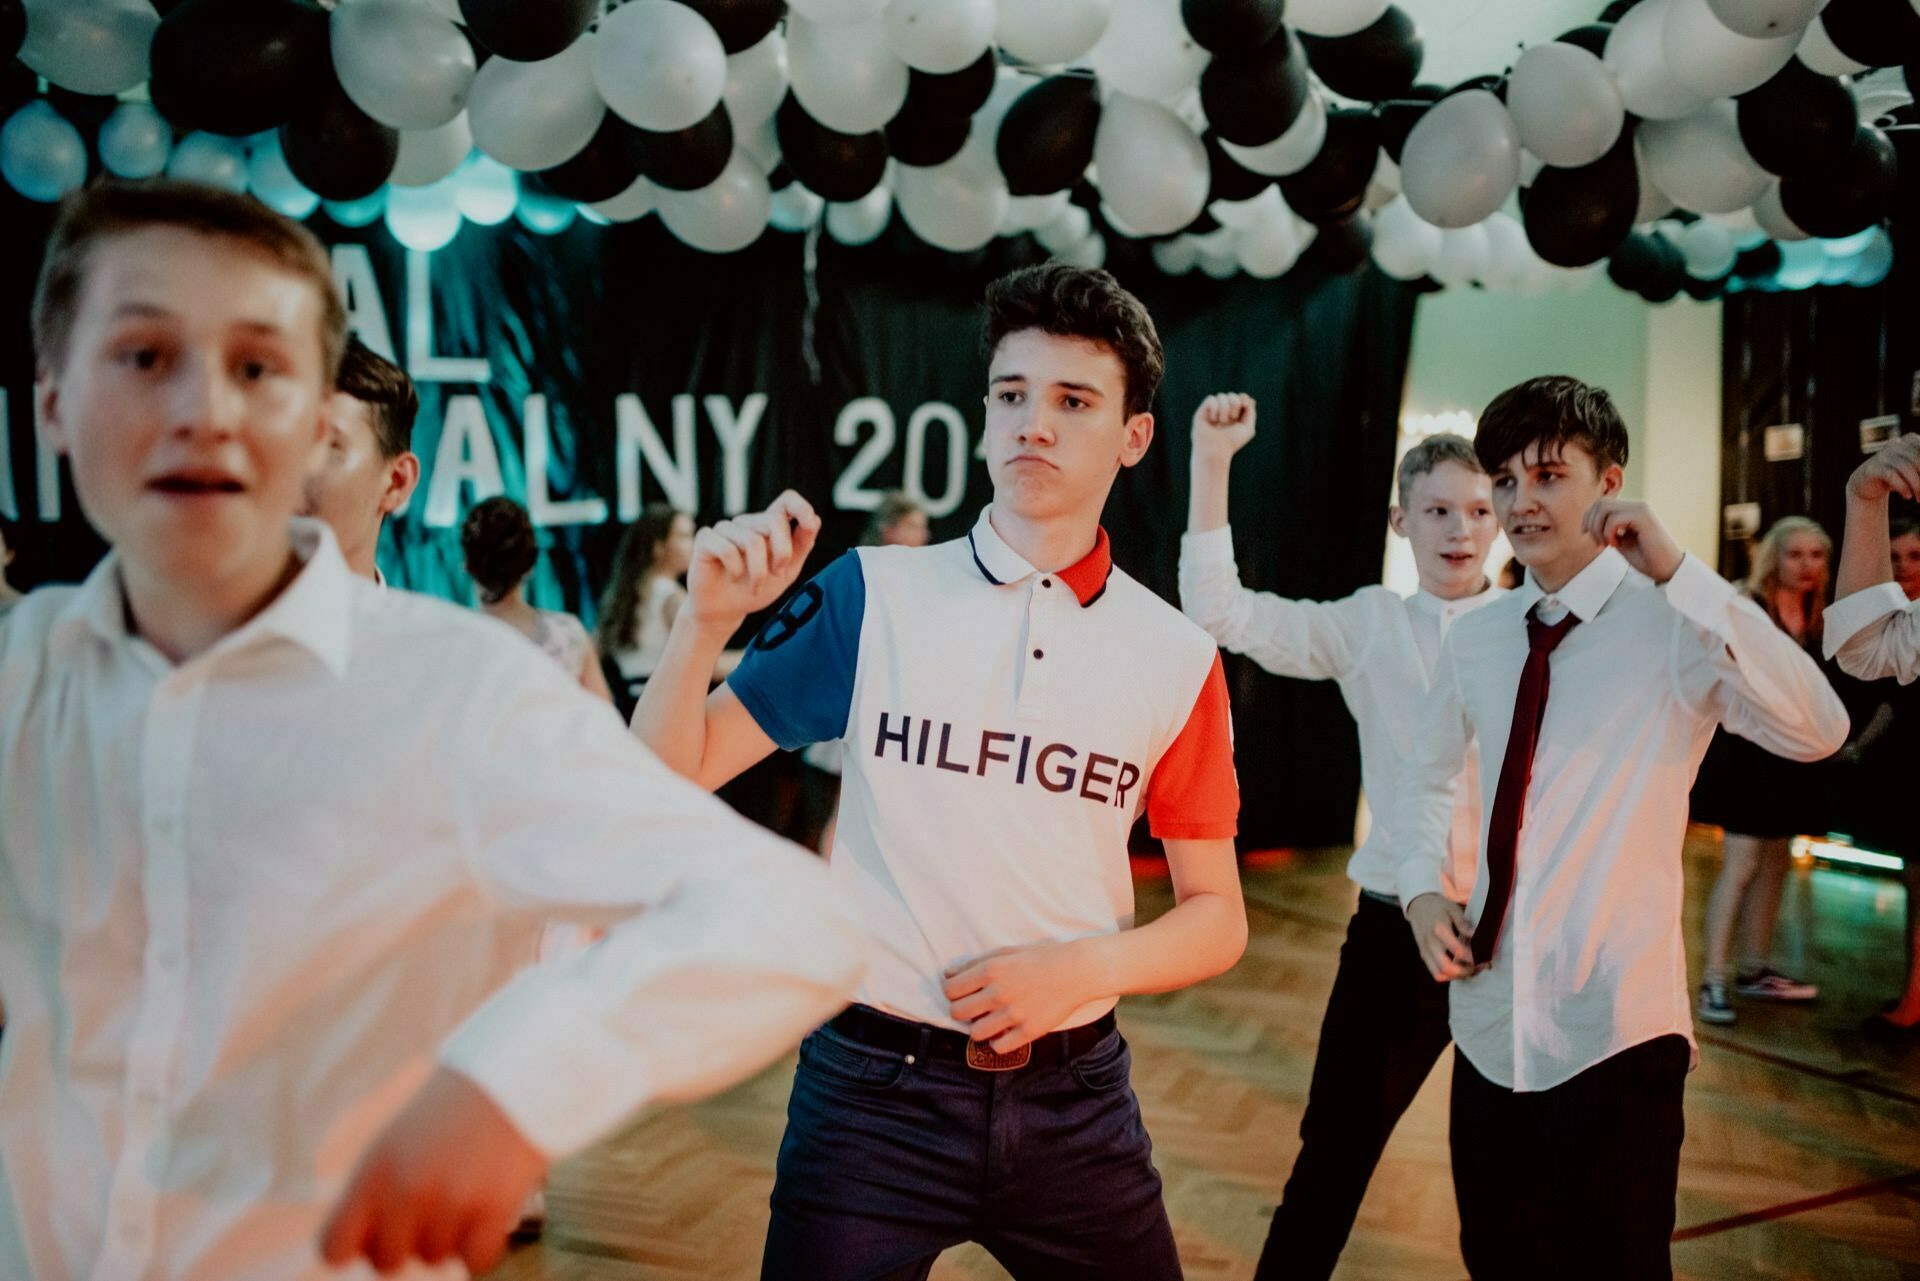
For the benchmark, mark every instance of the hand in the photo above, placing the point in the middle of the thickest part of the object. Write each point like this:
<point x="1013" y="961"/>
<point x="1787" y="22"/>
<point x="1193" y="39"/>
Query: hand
<point x="1637" y="532"/>
<point x="1894" y="468"/>
<point x="445" y="1179"/>
<point x="1440" y="929"/>
<point x="744" y="564"/>
<point x="1222" y="426"/>
<point x="1012" y="996"/>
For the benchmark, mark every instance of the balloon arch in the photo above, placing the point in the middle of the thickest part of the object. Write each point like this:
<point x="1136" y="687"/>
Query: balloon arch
<point x="1702" y="146"/>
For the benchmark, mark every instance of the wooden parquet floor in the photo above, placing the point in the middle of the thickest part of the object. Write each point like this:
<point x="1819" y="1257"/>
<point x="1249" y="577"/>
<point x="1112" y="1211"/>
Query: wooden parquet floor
<point x="1802" y="1156"/>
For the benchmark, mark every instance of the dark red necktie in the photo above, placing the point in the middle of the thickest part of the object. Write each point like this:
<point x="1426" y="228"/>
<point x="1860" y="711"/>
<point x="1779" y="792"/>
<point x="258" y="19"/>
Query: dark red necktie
<point x="1510" y="797"/>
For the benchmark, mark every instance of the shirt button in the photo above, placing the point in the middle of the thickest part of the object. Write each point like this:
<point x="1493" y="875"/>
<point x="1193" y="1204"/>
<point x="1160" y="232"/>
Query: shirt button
<point x="1046" y="582"/>
<point x="1039" y="653"/>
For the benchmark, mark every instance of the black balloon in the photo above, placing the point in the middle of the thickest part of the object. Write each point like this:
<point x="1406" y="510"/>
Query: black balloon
<point x="1401" y="114"/>
<point x="528" y="30"/>
<point x="740" y="24"/>
<point x="1382" y="61"/>
<point x="781" y="177"/>
<point x="239" y="67"/>
<point x="13" y="27"/>
<point x="1230" y="180"/>
<point x="603" y="168"/>
<point x="1798" y="123"/>
<point x="1334" y="183"/>
<point x="955" y="94"/>
<point x="926" y="142"/>
<point x="1704" y="290"/>
<point x="1617" y="10"/>
<point x="1251" y="97"/>
<point x="1578" y="216"/>
<point x="1226" y="25"/>
<point x="1045" y="142"/>
<point x="832" y="165"/>
<point x="1880" y="33"/>
<point x="1636" y="261"/>
<point x="1850" y="196"/>
<point x="1592" y="37"/>
<point x="338" y="150"/>
<point x="1495" y="85"/>
<point x="688" y="159"/>
<point x="1341" y="248"/>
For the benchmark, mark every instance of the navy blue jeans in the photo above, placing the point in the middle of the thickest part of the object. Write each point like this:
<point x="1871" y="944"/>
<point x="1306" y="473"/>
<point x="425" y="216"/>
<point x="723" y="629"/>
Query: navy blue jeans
<point x="886" y="1163"/>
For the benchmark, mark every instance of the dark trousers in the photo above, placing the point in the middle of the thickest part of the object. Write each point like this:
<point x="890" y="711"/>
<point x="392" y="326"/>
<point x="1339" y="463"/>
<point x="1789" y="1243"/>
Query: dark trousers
<point x="1576" y="1181"/>
<point x="1385" y="1026"/>
<point x="886" y="1163"/>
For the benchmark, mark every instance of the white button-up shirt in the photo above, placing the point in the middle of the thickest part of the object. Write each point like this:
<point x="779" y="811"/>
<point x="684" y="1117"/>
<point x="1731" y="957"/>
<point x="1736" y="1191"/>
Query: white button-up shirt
<point x="1875" y="633"/>
<point x="1381" y="649"/>
<point x="247" y="901"/>
<point x="1591" y="960"/>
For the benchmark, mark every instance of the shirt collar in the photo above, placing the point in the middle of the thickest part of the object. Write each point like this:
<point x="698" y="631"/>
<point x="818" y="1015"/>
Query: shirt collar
<point x="1587" y="591"/>
<point x="1447" y="610"/>
<point x="1000" y="565"/>
<point x="313" y="611"/>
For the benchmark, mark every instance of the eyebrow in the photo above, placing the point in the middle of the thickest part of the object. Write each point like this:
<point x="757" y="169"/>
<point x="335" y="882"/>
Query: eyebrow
<point x="154" y="311"/>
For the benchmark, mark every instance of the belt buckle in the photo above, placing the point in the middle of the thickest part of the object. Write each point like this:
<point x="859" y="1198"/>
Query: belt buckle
<point x="983" y="1057"/>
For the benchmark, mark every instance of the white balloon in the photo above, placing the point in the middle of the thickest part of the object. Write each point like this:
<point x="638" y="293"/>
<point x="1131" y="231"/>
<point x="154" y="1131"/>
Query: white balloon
<point x="845" y="76"/>
<point x="957" y="206"/>
<point x="1090" y="253"/>
<point x="1565" y="104"/>
<point x="1119" y="224"/>
<point x="1405" y="245"/>
<point x="794" y="208"/>
<point x="724" y="216"/>
<point x="1654" y="203"/>
<point x="1530" y="167"/>
<point x="1068" y="228"/>
<point x="1176" y="257"/>
<point x="41" y="154"/>
<point x="659" y="64"/>
<point x="637" y="201"/>
<point x="1045" y="32"/>
<point x="1241" y="214"/>
<point x="1334" y="17"/>
<point x="135" y="141"/>
<point x="1462" y="160"/>
<point x="535" y="115"/>
<point x="1709" y="250"/>
<point x="1745" y="229"/>
<point x="423" y="218"/>
<point x="1773" y="219"/>
<point x="1879" y="101"/>
<point x="401" y="62"/>
<point x="984" y="132"/>
<point x="1270" y="246"/>
<point x="428" y="155"/>
<point x="940" y="36"/>
<point x="1762" y="19"/>
<point x="762" y="142"/>
<point x="269" y="178"/>
<point x="1029" y="213"/>
<point x="1820" y="54"/>
<point x="1293" y="150"/>
<point x="210" y="158"/>
<point x="835" y="12"/>
<point x="1713" y="61"/>
<point x="1463" y="255"/>
<point x="99" y="47"/>
<point x="1509" y="255"/>
<point x="1636" y="54"/>
<point x="1221" y="262"/>
<point x="1153" y="170"/>
<point x="756" y="82"/>
<point x="860" y="222"/>
<point x="1700" y="161"/>
<point x="1147" y="51"/>
<point x="486" y="192"/>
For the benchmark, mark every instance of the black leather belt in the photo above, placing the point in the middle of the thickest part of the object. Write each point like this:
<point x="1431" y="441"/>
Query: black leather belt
<point x="879" y="1031"/>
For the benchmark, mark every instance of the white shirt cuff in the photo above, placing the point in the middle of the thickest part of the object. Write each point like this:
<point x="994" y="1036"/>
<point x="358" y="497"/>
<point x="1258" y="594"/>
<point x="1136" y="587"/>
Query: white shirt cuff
<point x="1699" y="593"/>
<point x="1851" y="615"/>
<point x="1420" y="876"/>
<point x="1214" y="547"/>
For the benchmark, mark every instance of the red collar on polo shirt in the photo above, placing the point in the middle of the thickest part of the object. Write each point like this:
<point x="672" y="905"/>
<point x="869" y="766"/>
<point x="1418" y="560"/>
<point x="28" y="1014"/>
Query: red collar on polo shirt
<point x="1000" y="565"/>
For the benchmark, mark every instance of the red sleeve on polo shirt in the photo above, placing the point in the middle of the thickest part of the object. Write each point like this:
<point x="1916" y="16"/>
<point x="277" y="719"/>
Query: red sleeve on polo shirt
<point x="1193" y="794"/>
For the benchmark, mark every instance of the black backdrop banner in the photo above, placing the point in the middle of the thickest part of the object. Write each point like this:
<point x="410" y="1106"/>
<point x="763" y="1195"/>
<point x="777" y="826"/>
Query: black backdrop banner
<point x="588" y="373"/>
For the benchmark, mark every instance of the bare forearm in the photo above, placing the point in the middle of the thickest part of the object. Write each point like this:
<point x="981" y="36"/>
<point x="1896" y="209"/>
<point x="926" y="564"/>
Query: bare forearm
<point x="671" y="717"/>
<point x="1203" y="936"/>
<point x="1207" y="497"/>
<point x="1866" y="556"/>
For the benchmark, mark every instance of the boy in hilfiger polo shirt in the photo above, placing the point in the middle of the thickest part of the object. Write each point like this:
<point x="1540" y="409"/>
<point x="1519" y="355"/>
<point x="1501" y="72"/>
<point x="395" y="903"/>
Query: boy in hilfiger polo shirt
<point x="1386" y="1021"/>
<point x="1009" y="703"/>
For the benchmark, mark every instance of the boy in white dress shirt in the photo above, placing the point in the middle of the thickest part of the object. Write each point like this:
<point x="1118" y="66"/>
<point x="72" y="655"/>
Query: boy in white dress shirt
<point x="1872" y="627"/>
<point x="1592" y="691"/>
<point x="1386" y="1020"/>
<point x="369" y="469"/>
<point x="256" y="932"/>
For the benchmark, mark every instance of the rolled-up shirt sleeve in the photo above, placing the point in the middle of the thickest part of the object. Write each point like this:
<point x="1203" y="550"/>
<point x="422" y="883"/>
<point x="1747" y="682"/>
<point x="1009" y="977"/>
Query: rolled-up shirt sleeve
<point x="1874" y="634"/>
<point x="723" y="946"/>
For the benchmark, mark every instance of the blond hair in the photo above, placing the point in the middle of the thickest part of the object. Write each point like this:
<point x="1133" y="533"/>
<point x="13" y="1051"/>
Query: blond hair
<point x="1442" y="447"/>
<point x="1763" y="578"/>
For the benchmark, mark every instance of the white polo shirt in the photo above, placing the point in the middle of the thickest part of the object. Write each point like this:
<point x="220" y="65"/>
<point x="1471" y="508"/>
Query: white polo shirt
<point x="1002" y="729"/>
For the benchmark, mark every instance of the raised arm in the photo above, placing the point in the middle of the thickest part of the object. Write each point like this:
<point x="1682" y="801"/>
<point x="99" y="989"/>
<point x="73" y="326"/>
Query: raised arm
<point x="1306" y="639"/>
<point x="1870" y="627"/>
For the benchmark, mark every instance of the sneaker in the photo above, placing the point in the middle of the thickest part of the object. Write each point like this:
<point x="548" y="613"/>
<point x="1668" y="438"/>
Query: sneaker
<point x="533" y="1219"/>
<point x="1771" y="985"/>
<point x="1713" y="1005"/>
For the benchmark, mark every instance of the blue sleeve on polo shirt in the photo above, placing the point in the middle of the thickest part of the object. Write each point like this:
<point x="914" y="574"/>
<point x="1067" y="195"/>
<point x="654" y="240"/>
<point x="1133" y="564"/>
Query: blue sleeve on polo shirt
<point x="796" y="679"/>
